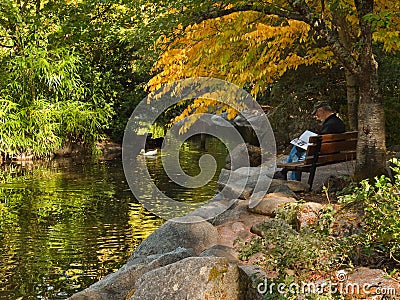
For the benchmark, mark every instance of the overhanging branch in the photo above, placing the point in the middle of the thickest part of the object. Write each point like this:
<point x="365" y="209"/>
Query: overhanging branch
<point x="330" y="35"/>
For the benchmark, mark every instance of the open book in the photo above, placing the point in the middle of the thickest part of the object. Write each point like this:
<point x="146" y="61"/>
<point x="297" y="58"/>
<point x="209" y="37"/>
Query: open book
<point x="302" y="140"/>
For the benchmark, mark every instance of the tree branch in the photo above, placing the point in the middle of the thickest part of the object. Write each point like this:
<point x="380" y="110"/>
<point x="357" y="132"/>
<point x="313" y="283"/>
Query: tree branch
<point x="268" y="10"/>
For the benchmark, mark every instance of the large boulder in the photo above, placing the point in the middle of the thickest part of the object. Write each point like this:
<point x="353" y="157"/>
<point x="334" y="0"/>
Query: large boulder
<point x="243" y="181"/>
<point x="234" y="213"/>
<point x="117" y="285"/>
<point x="198" y="235"/>
<point x="237" y="190"/>
<point x="221" y="251"/>
<point x="195" y="278"/>
<point x="242" y="156"/>
<point x="213" y="208"/>
<point x="250" y="121"/>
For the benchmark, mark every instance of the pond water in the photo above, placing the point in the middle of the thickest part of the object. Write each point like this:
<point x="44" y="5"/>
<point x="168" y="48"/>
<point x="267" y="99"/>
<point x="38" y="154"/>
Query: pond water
<point x="66" y="224"/>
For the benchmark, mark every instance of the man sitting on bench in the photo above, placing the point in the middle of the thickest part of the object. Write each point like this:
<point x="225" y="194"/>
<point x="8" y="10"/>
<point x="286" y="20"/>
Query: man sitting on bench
<point x="331" y="123"/>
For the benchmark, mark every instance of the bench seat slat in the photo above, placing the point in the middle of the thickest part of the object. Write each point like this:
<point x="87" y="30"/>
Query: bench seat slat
<point x="323" y="160"/>
<point x="295" y="166"/>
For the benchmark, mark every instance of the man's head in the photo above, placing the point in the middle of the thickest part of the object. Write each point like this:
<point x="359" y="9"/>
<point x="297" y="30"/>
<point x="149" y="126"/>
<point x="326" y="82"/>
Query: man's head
<point x="322" y="110"/>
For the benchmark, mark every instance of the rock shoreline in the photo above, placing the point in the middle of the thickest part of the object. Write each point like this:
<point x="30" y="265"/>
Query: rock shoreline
<point x="195" y="258"/>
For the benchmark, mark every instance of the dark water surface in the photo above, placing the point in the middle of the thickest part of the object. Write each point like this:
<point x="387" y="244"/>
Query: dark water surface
<point x="67" y="223"/>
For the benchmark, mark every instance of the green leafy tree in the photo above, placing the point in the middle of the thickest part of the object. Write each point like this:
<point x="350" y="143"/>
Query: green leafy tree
<point x="71" y="71"/>
<point x="45" y="101"/>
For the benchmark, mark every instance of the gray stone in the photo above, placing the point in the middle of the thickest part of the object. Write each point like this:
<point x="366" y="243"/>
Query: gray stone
<point x="117" y="285"/>
<point x="233" y="213"/>
<point x="242" y="182"/>
<point x="255" y="171"/>
<point x="225" y="174"/>
<point x="250" y="121"/>
<point x="237" y="191"/>
<point x="256" y="276"/>
<point x="253" y="120"/>
<point x="293" y="185"/>
<point x="213" y="208"/>
<point x="270" y="202"/>
<point x="283" y="189"/>
<point x="198" y="235"/>
<point x="220" y="251"/>
<point x="251" y="174"/>
<point x="195" y="278"/>
<point x="372" y="283"/>
<point x="244" y="155"/>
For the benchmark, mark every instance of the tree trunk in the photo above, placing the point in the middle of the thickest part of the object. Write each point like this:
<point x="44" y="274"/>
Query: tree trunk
<point x="352" y="100"/>
<point x="344" y="32"/>
<point x="371" y="148"/>
<point x="203" y="141"/>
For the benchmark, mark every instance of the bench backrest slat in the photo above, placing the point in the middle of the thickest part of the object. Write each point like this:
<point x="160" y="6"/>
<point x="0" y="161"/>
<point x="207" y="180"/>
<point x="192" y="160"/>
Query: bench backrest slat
<point x="336" y="157"/>
<point x="335" y="137"/>
<point x="334" y="148"/>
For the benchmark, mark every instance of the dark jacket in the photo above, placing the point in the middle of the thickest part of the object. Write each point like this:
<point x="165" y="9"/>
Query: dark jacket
<point x="333" y="124"/>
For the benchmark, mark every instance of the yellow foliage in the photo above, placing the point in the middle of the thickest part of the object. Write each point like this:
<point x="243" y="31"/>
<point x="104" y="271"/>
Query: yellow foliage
<point x="253" y="49"/>
<point x="242" y="48"/>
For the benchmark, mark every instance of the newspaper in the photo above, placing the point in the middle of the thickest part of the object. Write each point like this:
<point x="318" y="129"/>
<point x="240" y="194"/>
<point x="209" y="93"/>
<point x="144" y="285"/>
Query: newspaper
<point x="302" y="140"/>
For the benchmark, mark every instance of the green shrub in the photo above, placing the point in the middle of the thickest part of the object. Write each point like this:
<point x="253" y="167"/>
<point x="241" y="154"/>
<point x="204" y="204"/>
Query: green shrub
<point x="300" y="255"/>
<point x="43" y="103"/>
<point x="381" y="204"/>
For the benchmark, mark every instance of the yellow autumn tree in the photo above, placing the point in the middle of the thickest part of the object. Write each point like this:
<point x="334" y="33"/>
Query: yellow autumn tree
<point x="239" y="48"/>
<point x="252" y="44"/>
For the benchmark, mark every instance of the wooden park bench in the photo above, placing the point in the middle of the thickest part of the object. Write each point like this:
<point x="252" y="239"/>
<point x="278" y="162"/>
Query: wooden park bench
<point x="325" y="150"/>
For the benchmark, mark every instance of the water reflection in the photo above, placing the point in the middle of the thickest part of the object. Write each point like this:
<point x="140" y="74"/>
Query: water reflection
<point x="160" y="194"/>
<point x="64" y="225"/>
<point x="189" y="157"/>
